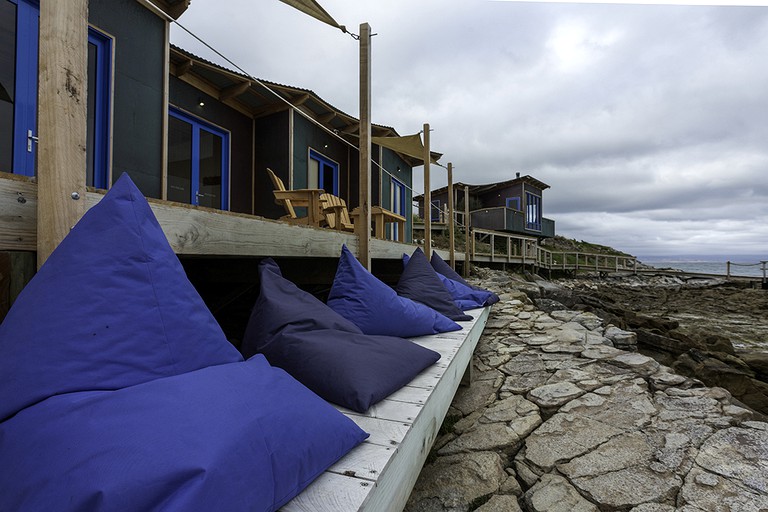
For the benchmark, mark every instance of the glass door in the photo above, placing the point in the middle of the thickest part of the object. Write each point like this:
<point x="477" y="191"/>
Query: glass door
<point x="19" y="24"/>
<point x="198" y="162"/>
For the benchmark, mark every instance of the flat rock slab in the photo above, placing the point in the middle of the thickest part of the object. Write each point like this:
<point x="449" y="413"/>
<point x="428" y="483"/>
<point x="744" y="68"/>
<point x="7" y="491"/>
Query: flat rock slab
<point x="552" y="396"/>
<point x="455" y="481"/>
<point x="554" y="493"/>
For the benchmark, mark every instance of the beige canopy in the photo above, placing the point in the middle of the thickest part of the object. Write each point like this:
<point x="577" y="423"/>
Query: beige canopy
<point x="409" y="145"/>
<point x="315" y="10"/>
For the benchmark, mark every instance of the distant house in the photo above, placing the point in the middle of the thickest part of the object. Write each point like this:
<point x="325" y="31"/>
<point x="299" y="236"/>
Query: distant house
<point x="514" y="205"/>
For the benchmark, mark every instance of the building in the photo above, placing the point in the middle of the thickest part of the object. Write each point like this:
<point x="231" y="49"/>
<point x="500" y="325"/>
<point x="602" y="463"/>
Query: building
<point x="514" y="206"/>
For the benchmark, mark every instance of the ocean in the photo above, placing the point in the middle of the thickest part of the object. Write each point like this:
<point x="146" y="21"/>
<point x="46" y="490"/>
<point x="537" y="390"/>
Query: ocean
<point x="709" y="265"/>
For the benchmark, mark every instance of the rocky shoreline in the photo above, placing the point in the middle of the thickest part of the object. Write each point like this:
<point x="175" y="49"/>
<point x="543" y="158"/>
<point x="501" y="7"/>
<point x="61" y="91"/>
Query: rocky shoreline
<point x="564" y="414"/>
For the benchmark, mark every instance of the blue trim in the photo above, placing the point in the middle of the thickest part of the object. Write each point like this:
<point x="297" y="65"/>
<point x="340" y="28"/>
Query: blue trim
<point x="513" y="200"/>
<point x="25" y="108"/>
<point x="197" y="125"/>
<point x="532" y="211"/>
<point x="323" y="161"/>
<point x="103" y="46"/>
<point x="400" y="210"/>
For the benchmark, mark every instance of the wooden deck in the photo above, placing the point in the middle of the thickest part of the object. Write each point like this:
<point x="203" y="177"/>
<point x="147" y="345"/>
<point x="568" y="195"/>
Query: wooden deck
<point x="193" y="230"/>
<point x="379" y="474"/>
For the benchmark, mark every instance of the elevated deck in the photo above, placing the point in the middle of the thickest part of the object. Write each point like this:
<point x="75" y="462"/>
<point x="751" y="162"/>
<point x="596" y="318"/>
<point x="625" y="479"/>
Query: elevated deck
<point x="379" y="474"/>
<point x="193" y="230"/>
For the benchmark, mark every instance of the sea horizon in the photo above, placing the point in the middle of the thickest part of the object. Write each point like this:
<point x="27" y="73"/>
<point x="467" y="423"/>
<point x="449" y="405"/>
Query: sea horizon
<point x="741" y="265"/>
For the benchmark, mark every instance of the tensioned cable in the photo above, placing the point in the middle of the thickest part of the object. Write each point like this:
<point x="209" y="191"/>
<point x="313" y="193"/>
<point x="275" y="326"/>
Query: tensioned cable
<point x="278" y="96"/>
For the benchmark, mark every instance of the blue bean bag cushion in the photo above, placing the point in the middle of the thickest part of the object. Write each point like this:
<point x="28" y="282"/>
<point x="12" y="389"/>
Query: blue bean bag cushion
<point x="445" y="270"/>
<point x="119" y="391"/>
<point x="361" y="298"/>
<point x="236" y="437"/>
<point x="323" y="350"/>
<point x="464" y="296"/>
<point x="419" y="282"/>
<point x="93" y="316"/>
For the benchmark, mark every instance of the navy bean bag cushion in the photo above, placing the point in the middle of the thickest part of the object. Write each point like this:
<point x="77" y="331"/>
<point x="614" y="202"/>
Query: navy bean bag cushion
<point x="119" y="391"/>
<point x="375" y="308"/>
<point x="108" y="296"/>
<point x="323" y="350"/>
<point x="236" y="437"/>
<point x="445" y="270"/>
<point x="419" y="282"/>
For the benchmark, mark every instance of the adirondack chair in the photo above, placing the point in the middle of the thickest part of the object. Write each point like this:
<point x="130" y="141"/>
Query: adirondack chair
<point x="308" y="198"/>
<point x="336" y="213"/>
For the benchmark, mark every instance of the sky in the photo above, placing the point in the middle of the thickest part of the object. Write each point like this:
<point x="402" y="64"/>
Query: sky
<point x="649" y="122"/>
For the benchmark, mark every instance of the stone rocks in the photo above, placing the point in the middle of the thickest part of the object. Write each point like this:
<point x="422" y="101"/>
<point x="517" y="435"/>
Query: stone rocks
<point x="560" y="419"/>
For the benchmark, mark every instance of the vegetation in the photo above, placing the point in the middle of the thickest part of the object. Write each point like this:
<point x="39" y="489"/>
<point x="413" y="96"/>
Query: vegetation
<point x="562" y="244"/>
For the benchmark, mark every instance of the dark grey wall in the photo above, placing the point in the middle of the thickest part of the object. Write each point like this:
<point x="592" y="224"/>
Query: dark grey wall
<point x="138" y="110"/>
<point x="240" y="128"/>
<point x="271" y="143"/>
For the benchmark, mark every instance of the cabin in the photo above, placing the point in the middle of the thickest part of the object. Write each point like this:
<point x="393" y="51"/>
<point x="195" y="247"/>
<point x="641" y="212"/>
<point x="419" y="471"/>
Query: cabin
<point x="514" y="206"/>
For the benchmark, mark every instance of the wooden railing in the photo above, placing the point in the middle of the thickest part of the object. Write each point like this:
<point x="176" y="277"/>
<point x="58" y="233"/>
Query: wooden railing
<point x="495" y="246"/>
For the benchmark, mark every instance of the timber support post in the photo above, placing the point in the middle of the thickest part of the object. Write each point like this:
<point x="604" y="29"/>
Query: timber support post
<point x="451" y="219"/>
<point x="427" y="197"/>
<point x="62" y="100"/>
<point x="467" y="232"/>
<point x="363" y="221"/>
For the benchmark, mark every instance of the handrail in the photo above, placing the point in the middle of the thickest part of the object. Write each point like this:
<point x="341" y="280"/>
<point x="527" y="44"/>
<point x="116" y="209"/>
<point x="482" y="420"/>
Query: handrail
<point x="526" y="250"/>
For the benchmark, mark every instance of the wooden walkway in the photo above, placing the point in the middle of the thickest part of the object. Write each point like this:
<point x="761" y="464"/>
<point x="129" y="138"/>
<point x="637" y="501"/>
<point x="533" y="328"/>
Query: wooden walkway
<point x="379" y="474"/>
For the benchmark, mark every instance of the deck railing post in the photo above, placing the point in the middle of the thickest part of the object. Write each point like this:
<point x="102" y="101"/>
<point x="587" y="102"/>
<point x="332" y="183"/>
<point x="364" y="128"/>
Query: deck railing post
<point x="451" y="221"/>
<point x="63" y="79"/>
<point x="363" y="222"/>
<point x="727" y="270"/>
<point x="427" y="196"/>
<point x="467" y="232"/>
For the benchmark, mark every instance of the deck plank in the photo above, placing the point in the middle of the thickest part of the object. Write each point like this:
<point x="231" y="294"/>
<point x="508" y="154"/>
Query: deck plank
<point x="379" y="474"/>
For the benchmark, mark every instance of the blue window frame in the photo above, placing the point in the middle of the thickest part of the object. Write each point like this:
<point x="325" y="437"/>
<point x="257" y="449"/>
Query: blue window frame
<point x="198" y="161"/>
<point x="99" y="108"/>
<point x="532" y="211"/>
<point x="20" y="22"/>
<point x="513" y="202"/>
<point x="322" y="172"/>
<point x="397" y="201"/>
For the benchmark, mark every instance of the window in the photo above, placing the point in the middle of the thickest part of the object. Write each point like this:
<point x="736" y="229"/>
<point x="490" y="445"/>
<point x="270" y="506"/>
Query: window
<point x="532" y="211"/>
<point x="99" y="96"/>
<point x="435" y="210"/>
<point x="198" y="162"/>
<point x="513" y="202"/>
<point x="322" y="173"/>
<point x="397" y="200"/>
<point x="19" y="27"/>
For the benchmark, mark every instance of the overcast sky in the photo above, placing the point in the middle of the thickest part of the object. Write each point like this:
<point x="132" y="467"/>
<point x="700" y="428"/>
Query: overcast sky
<point x="649" y="122"/>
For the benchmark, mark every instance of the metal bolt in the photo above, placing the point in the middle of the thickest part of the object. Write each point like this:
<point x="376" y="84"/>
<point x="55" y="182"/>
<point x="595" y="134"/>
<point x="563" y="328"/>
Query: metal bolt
<point x="21" y="198"/>
<point x="75" y="196"/>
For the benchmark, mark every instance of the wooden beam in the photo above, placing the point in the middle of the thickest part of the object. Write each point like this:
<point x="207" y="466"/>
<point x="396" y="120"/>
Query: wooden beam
<point x="363" y="221"/>
<point x="427" y="196"/>
<point x="352" y="128"/>
<point x="451" y="236"/>
<point x="234" y="91"/>
<point x="327" y="118"/>
<point x="299" y="99"/>
<point x="63" y="90"/>
<point x="183" y="68"/>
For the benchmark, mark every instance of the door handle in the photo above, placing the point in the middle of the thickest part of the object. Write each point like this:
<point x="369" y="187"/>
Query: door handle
<point x="30" y="139"/>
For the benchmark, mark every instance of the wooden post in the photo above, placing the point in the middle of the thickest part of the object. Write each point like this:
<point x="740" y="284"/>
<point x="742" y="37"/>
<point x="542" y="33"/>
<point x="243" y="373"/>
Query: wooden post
<point x="427" y="196"/>
<point x="451" y="219"/>
<point x="467" y="233"/>
<point x="62" y="100"/>
<point x="727" y="270"/>
<point x="363" y="221"/>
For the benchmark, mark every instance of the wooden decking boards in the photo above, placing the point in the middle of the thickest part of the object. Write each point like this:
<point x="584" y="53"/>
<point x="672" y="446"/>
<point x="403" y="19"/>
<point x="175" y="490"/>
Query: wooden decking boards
<point x="379" y="474"/>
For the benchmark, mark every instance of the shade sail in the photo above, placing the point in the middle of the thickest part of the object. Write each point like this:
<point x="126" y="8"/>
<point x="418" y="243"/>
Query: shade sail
<point x="315" y="10"/>
<point x="409" y="145"/>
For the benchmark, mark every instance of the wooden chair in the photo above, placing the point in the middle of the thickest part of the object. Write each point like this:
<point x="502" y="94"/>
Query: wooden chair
<point x="308" y="198"/>
<point x="336" y="213"/>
